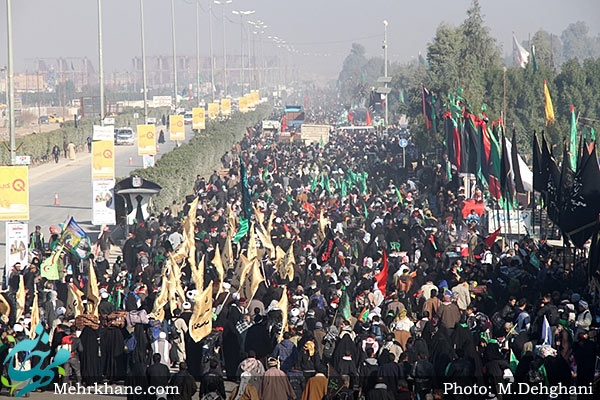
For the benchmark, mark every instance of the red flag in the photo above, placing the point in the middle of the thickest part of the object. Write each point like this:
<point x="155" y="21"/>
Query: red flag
<point x="382" y="276"/>
<point x="284" y="124"/>
<point x="350" y="117"/>
<point x="368" y="118"/>
<point x="491" y="239"/>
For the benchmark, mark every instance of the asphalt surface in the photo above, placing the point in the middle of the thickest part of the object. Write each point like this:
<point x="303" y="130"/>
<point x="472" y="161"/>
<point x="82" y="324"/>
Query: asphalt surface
<point x="71" y="181"/>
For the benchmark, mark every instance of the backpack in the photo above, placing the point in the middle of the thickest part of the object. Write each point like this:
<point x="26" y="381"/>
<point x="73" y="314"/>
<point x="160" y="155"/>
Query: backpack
<point x="130" y="344"/>
<point x="328" y="348"/>
<point x="497" y="320"/>
<point x="376" y="329"/>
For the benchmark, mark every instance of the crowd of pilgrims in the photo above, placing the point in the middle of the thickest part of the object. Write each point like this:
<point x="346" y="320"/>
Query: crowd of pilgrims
<point x="450" y="309"/>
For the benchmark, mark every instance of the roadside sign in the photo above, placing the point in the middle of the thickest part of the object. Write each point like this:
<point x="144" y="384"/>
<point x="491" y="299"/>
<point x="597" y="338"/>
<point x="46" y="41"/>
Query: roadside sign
<point x="23" y="160"/>
<point x="103" y="132"/>
<point x="136" y="115"/>
<point x="109" y="121"/>
<point x="403" y="143"/>
<point x="151" y="120"/>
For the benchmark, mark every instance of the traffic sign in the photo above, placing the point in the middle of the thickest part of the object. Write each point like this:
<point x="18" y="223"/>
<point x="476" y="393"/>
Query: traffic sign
<point x="403" y="143"/>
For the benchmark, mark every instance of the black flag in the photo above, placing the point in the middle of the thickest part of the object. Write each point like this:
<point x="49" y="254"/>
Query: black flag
<point x="540" y="178"/>
<point x="325" y="250"/>
<point x="514" y="155"/>
<point x="551" y="171"/>
<point x="579" y="217"/>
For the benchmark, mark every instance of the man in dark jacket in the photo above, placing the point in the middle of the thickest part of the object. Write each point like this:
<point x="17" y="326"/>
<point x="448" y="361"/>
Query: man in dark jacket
<point x="186" y="384"/>
<point x="212" y="380"/>
<point x="158" y="374"/>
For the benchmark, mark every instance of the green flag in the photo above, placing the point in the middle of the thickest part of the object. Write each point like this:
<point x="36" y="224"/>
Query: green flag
<point x="49" y="267"/>
<point x="573" y="141"/>
<point x="244" y="226"/>
<point x="345" y="305"/>
<point x="542" y="369"/>
<point x="399" y="196"/>
<point x="513" y="362"/>
<point x="533" y="260"/>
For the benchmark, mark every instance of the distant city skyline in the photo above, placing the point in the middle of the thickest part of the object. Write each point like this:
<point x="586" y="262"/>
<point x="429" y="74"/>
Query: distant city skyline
<point x="321" y="33"/>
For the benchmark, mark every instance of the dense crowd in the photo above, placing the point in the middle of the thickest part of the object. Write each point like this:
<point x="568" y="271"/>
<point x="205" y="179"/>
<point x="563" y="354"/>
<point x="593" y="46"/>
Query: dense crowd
<point x="453" y="304"/>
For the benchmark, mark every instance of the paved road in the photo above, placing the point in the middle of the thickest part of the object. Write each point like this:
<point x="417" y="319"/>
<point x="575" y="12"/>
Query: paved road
<point x="71" y="180"/>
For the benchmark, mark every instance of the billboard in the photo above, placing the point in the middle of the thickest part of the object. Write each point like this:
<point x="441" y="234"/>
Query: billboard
<point x="103" y="159"/>
<point x="243" y="105"/>
<point x="146" y="139"/>
<point x="198" y="118"/>
<point x="103" y="132"/>
<point x="103" y="204"/>
<point x="176" y="127"/>
<point x="17" y="237"/>
<point x="14" y="193"/>
<point x="213" y="110"/>
<point x="225" y="107"/>
<point x="512" y="222"/>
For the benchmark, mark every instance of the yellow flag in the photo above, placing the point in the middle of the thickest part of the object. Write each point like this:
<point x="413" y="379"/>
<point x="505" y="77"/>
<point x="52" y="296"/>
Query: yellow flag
<point x="283" y="306"/>
<point x="198" y="275"/>
<point x="322" y="222"/>
<point x="162" y="299"/>
<point x="231" y="219"/>
<point x="288" y="264"/>
<point x="252" y="250"/>
<point x="4" y="309"/>
<point x="93" y="291"/>
<point x="74" y="304"/>
<point x="178" y="292"/>
<point x="201" y="320"/>
<point x="35" y="315"/>
<point x="260" y="216"/>
<point x="218" y="263"/>
<point x="250" y="280"/>
<point x="270" y="223"/>
<point x="227" y="256"/>
<point x="548" y="107"/>
<point x="20" y="298"/>
<point x="265" y="239"/>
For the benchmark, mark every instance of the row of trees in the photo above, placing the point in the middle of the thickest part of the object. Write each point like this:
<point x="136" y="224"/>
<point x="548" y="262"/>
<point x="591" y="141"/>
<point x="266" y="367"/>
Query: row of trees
<point x="468" y="59"/>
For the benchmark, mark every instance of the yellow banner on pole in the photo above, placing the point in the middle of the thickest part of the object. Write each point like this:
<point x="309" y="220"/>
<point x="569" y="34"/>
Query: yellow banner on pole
<point x="103" y="159"/>
<point x="176" y="127"/>
<point x="201" y="320"/>
<point x="213" y="110"/>
<point x="198" y="118"/>
<point x="243" y="105"/>
<point x="253" y="99"/>
<point x="226" y="107"/>
<point x="146" y="140"/>
<point x="14" y="193"/>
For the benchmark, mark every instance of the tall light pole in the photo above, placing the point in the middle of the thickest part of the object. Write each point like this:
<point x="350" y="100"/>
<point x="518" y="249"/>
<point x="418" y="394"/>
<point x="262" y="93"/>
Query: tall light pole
<point x="259" y="27"/>
<point x="212" y="55"/>
<point x="241" y="14"/>
<point x="223" y="3"/>
<point x="144" y="78"/>
<point x="385" y="70"/>
<point x="101" y="63"/>
<point x="11" y="88"/>
<point x="198" y="52"/>
<point x="174" y="51"/>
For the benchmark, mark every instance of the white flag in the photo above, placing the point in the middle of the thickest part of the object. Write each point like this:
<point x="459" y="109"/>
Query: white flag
<point x="521" y="55"/>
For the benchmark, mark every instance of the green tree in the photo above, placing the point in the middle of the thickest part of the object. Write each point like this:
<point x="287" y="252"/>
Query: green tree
<point x="350" y="80"/>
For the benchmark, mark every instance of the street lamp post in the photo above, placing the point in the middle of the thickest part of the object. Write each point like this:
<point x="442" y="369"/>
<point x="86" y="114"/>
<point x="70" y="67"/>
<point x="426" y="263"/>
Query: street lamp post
<point x="212" y="56"/>
<point x="144" y="78"/>
<point x="10" y="88"/>
<point x="385" y="70"/>
<point x="198" y="52"/>
<point x="101" y="63"/>
<point x="174" y="50"/>
<point x="241" y="14"/>
<point x="223" y="3"/>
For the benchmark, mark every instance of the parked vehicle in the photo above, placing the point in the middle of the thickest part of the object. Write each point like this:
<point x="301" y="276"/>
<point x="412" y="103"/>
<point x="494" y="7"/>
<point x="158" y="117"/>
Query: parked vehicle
<point x="124" y="136"/>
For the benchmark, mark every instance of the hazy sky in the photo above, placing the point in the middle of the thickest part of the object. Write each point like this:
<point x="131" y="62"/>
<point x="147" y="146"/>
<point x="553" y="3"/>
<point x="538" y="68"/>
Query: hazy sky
<point x="68" y="28"/>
